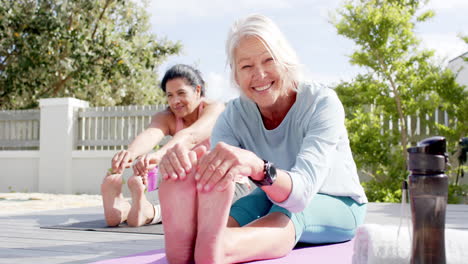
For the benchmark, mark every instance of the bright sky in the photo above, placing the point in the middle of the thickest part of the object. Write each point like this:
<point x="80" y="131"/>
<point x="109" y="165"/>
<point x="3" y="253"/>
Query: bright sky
<point x="201" y="26"/>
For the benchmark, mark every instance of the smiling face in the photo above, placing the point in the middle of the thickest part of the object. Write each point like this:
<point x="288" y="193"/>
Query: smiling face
<point x="257" y="73"/>
<point x="182" y="98"/>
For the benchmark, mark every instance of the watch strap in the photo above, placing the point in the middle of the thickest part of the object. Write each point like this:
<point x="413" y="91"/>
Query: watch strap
<point x="269" y="175"/>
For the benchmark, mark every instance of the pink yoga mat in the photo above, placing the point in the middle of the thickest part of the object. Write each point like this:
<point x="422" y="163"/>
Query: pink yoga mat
<point x="331" y="254"/>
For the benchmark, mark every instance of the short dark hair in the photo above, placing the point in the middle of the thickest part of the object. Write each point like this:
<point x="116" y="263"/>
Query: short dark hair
<point x="190" y="75"/>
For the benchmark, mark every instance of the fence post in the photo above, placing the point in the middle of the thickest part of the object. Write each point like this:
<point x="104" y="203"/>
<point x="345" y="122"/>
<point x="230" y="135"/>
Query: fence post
<point x="57" y="134"/>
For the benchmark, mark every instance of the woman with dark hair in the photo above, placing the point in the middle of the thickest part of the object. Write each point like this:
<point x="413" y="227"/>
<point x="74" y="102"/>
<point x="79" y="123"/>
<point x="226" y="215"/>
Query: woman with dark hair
<point x="189" y="119"/>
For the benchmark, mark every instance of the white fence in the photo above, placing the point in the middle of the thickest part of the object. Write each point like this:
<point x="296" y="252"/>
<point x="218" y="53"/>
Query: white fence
<point x="418" y="126"/>
<point x="66" y="147"/>
<point x="112" y="128"/>
<point x="99" y="128"/>
<point x="19" y="130"/>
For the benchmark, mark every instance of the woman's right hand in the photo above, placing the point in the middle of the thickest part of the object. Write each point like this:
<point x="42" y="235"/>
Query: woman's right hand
<point x="122" y="160"/>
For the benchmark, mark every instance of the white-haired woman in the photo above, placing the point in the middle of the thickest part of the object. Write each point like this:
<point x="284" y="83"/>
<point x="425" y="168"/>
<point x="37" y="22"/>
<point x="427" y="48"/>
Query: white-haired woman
<point x="289" y="138"/>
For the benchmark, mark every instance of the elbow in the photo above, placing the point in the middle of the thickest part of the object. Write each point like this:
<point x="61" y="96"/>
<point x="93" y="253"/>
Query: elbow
<point x="296" y="202"/>
<point x="301" y="193"/>
<point x="296" y="209"/>
<point x="299" y="207"/>
<point x="303" y="198"/>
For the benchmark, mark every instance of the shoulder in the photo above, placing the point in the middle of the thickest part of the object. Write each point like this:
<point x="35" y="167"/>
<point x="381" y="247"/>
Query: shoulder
<point x="313" y="89"/>
<point x="212" y="104"/>
<point x="238" y="111"/>
<point x="317" y="105"/>
<point x="234" y="122"/>
<point x="240" y="106"/>
<point x="163" y="119"/>
<point x="165" y="114"/>
<point x="316" y="95"/>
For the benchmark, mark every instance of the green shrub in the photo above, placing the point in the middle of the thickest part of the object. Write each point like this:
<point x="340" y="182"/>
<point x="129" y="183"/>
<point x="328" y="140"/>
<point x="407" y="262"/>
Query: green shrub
<point x="389" y="191"/>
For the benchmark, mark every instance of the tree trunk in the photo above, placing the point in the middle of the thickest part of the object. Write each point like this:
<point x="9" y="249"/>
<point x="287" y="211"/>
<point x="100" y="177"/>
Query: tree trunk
<point x="401" y="115"/>
<point x="59" y="85"/>
<point x="100" y="17"/>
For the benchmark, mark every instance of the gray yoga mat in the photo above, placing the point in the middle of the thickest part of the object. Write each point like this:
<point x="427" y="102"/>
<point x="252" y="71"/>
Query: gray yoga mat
<point x="100" y="226"/>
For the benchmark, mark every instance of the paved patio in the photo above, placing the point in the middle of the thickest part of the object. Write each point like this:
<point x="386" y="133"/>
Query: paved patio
<point x="23" y="241"/>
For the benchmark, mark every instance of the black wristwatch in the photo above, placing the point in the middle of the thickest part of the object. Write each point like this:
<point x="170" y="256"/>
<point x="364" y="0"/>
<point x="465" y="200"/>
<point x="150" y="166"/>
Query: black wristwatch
<point x="269" y="175"/>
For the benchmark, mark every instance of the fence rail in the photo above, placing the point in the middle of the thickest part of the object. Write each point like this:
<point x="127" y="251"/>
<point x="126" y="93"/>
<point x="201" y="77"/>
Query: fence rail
<point x="19" y="130"/>
<point x="418" y="126"/>
<point x="113" y="128"/>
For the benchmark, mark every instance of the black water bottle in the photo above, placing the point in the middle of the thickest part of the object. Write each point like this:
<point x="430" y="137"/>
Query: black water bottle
<point x="428" y="188"/>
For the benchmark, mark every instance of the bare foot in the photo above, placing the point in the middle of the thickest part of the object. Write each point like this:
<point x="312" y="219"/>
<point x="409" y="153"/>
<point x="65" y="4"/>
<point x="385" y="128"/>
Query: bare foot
<point x="178" y="204"/>
<point x="213" y="213"/>
<point x="115" y="207"/>
<point x="141" y="211"/>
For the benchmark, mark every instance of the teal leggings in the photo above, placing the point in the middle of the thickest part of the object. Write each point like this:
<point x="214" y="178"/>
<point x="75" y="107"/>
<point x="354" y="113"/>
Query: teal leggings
<point x="327" y="218"/>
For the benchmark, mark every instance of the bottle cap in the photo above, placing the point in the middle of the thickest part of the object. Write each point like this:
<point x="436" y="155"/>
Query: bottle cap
<point x="429" y="157"/>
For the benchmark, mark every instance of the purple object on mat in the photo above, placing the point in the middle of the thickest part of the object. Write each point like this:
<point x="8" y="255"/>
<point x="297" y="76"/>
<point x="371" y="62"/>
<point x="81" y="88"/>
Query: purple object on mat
<point x="331" y="254"/>
<point x="153" y="179"/>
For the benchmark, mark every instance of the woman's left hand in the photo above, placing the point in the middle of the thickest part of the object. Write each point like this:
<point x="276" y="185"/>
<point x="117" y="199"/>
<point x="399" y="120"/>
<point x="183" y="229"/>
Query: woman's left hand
<point x="176" y="163"/>
<point x="225" y="163"/>
<point x="144" y="164"/>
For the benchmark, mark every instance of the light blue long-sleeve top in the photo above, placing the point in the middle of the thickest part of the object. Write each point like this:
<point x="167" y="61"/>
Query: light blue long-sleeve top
<point x="311" y="144"/>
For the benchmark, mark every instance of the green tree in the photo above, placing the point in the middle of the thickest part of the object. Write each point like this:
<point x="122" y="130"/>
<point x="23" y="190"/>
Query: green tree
<point x="465" y="38"/>
<point x="402" y="80"/>
<point x="96" y="50"/>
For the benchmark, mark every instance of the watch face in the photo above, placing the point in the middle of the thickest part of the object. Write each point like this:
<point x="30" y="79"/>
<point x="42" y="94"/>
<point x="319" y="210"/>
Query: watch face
<point x="270" y="173"/>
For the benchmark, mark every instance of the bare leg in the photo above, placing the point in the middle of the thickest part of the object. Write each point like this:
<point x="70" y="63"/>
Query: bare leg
<point x="178" y="204"/>
<point x="272" y="236"/>
<point x="142" y="211"/>
<point x="213" y="213"/>
<point x="116" y="208"/>
<point x="232" y="222"/>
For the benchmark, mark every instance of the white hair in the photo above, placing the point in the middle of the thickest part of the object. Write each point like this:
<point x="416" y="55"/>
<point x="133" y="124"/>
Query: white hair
<point x="266" y="31"/>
